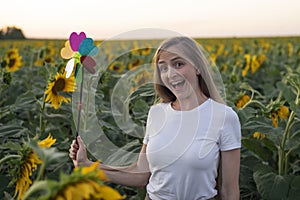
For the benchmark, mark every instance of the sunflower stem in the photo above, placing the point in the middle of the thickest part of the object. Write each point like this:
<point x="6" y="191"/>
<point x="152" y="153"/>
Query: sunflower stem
<point x="41" y="171"/>
<point x="283" y="155"/>
<point x="37" y="186"/>
<point x="41" y="115"/>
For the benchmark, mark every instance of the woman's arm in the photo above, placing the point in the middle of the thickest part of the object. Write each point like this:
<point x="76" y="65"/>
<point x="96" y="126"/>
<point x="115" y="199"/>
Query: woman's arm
<point x="230" y="174"/>
<point x="136" y="175"/>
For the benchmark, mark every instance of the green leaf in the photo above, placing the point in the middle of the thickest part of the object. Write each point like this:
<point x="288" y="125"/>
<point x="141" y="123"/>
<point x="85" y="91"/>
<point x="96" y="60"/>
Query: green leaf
<point x="12" y="130"/>
<point x="288" y="94"/>
<point x="270" y="185"/>
<point x="140" y="109"/>
<point x="270" y="144"/>
<point x="11" y="145"/>
<point x="294" y="192"/>
<point x="260" y="124"/>
<point x="48" y="155"/>
<point x="25" y="101"/>
<point x="39" y="187"/>
<point x="256" y="147"/>
<point x="245" y="115"/>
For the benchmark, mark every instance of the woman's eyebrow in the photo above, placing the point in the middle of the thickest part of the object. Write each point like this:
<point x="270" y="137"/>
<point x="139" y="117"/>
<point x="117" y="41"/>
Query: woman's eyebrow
<point x="172" y="60"/>
<point x="177" y="58"/>
<point x="161" y="62"/>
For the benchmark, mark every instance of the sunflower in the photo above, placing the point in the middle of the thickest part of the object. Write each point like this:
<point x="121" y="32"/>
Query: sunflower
<point x="224" y="68"/>
<point x="247" y="64"/>
<point x="243" y="100"/>
<point x="13" y="60"/>
<point x="274" y="119"/>
<point x="290" y="49"/>
<point x="146" y="51"/>
<point x="141" y="51"/>
<point x="84" y="183"/>
<point x="283" y="112"/>
<point x="140" y="79"/>
<point x="134" y="64"/>
<point x="259" y="135"/>
<point x="45" y="56"/>
<point x="29" y="162"/>
<point x="60" y="84"/>
<point x="254" y="64"/>
<point x="213" y="57"/>
<point x="117" y="66"/>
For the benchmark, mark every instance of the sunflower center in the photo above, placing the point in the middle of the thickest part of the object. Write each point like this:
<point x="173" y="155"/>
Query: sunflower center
<point x="116" y="67"/>
<point x="58" y="86"/>
<point x="11" y="62"/>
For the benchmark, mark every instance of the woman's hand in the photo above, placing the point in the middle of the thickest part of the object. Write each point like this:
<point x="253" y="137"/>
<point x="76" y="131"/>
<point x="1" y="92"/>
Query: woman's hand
<point x="77" y="153"/>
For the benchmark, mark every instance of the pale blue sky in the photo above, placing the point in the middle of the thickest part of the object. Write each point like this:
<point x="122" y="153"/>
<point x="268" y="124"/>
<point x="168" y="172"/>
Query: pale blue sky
<point x="102" y="19"/>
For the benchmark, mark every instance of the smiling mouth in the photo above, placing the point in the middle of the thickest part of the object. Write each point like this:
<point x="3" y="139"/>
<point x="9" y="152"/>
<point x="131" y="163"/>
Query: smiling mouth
<point x="178" y="85"/>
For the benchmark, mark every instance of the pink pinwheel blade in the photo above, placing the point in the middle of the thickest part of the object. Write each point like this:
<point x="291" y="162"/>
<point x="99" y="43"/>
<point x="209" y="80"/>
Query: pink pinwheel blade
<point x="76" y="39"/>
<point x="89" y="63"/>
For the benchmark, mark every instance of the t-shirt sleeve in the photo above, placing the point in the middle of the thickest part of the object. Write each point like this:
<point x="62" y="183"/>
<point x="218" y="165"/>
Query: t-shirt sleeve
<point x="146" y="139"/>
<point x="230" y="137"/>
<point x="149" y="118"/>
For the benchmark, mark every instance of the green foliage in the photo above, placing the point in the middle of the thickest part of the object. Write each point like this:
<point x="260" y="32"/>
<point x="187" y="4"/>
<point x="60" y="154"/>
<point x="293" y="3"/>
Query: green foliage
<point x="270" y="167"/>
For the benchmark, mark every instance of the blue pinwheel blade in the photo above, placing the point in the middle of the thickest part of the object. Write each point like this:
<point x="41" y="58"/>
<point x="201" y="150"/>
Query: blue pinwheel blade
<point x="87" y="47"/>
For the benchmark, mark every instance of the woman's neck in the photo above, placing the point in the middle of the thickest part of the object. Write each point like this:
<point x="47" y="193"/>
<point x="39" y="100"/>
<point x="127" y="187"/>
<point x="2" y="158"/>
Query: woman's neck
<point x="188" y="104"/>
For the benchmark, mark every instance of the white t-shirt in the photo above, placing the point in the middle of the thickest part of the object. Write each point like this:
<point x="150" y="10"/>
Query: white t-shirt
<point x="183" y="149"/>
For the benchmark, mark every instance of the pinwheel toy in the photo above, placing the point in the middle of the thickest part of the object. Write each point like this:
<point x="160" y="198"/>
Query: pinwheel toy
<point x="79" y="50"/>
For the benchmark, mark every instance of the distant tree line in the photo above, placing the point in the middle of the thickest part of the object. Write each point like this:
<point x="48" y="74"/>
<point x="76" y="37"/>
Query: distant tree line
<point x="11" y="32"/>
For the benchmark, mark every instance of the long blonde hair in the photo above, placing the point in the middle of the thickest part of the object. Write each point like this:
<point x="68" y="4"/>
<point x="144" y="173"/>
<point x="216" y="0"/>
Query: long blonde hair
<point x="191" y="51"/>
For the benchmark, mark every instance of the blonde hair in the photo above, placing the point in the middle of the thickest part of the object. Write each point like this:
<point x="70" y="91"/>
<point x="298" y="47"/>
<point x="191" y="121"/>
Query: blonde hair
<point x="192" y="52"/>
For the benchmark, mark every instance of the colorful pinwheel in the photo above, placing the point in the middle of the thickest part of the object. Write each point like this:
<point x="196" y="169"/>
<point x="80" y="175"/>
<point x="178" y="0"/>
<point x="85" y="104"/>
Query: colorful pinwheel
<point x="79" y="50"/>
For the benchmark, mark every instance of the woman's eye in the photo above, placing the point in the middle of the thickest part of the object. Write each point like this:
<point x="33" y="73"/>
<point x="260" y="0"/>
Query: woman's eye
<point x="163" y="68"/>
<point x="178" y="64"/>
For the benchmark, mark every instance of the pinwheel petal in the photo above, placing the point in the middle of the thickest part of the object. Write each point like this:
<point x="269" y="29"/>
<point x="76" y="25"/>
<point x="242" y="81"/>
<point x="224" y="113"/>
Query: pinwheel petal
<point x="78" y="74"/>
<point x="89" y="63"/>
<point x="76" y="39"/>
<point x="87" y="47"/>
<point x="69" y="67"/>
<point x="66" y="52"/>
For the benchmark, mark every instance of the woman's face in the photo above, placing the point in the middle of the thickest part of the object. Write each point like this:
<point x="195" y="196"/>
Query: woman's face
<point x="178" y="75"/>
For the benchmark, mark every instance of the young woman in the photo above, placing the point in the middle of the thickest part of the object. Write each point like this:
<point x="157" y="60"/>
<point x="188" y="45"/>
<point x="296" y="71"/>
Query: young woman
<point x="186" y="135"/>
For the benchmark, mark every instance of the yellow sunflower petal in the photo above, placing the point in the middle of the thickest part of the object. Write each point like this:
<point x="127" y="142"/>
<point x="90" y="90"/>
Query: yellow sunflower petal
<point x="90" y="168"/>
<point x="283" y="112"/>
<point x="48" y="142"/>
<point x="108" y="193"/>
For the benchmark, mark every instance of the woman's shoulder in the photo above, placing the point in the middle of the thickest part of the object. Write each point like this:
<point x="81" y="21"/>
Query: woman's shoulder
<point x="158" y="107"/>
<point x="229" y="112"/>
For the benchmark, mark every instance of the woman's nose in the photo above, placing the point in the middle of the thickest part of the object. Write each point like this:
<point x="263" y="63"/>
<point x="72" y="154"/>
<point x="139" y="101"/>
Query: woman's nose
<point x="172" y="72"/>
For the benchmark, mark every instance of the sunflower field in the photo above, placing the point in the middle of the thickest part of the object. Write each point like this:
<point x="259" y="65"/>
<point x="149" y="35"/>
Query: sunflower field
<point x="37" y="124"/>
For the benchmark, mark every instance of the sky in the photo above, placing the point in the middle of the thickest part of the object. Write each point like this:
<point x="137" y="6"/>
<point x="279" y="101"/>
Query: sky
<point x="104" y="19"/>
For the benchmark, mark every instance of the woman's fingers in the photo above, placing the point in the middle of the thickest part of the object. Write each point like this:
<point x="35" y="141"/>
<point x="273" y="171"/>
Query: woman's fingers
<point x="77" y="152"/>
<point x="80" y="142"/>
<point x="73" y="150"/>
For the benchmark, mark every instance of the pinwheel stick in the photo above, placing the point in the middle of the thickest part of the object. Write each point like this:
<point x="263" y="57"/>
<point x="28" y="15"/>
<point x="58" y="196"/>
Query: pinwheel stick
<point x="80" y="103"/>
